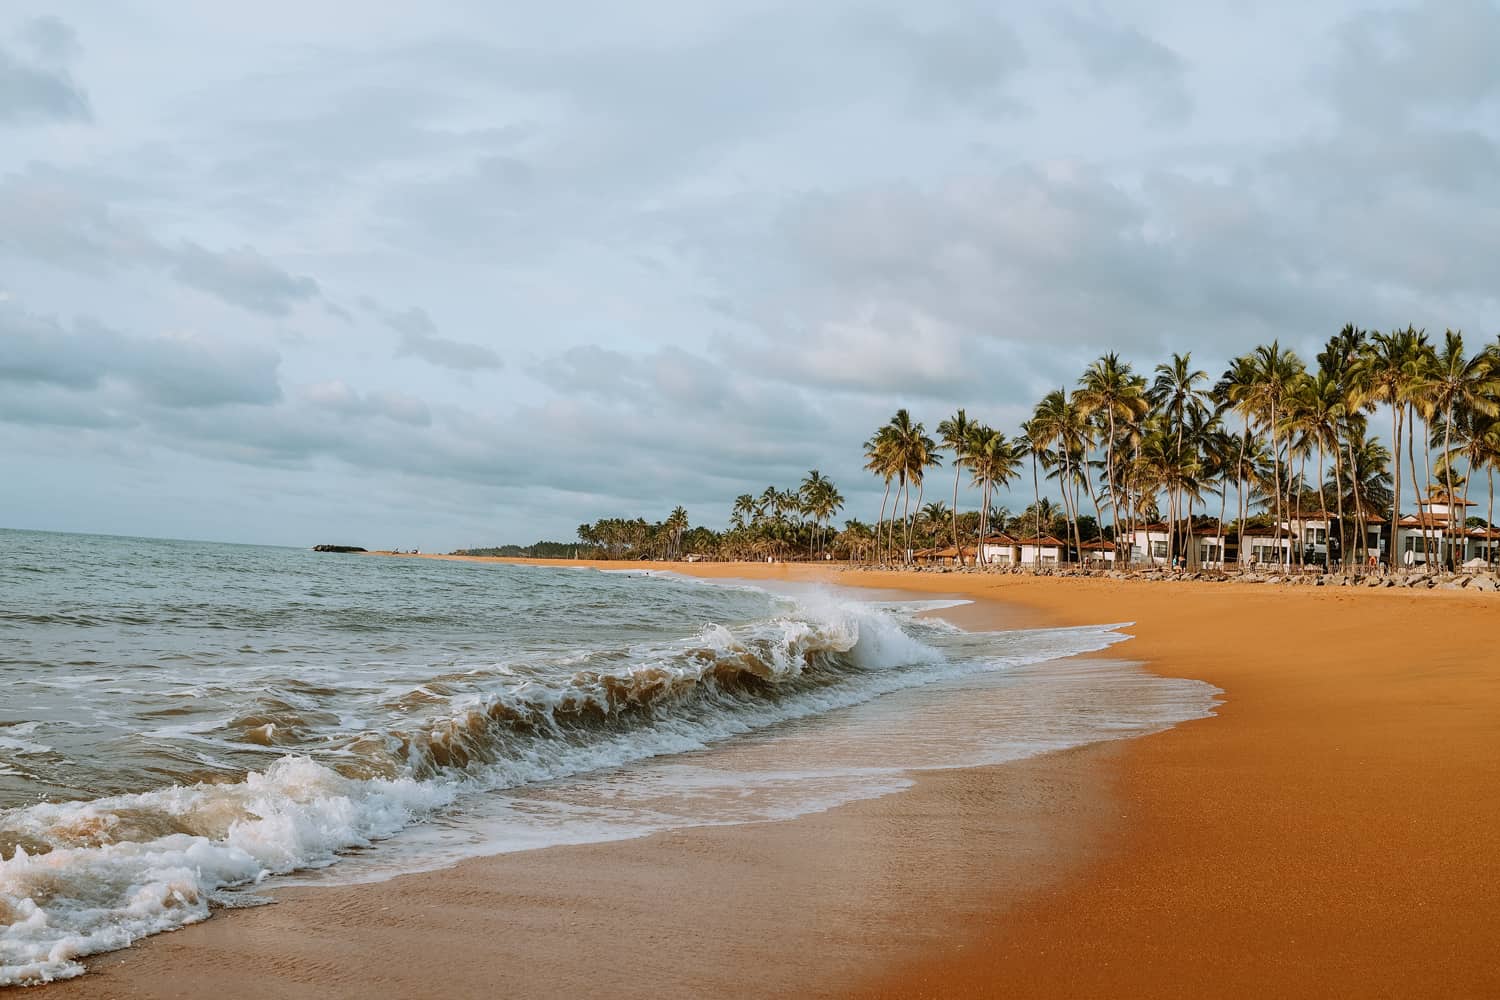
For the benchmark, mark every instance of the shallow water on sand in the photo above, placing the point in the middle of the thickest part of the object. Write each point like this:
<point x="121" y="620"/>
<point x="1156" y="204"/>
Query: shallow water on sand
<point x="186" y="720"/>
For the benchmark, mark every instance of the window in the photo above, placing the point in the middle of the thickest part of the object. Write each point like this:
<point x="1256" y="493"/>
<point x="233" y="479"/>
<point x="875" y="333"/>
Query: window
<point x="1317" y="536"/>
<point x="1159" y="550"/>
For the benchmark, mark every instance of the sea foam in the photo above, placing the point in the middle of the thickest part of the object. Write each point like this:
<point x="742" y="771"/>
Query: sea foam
<point x="86" y="877"/>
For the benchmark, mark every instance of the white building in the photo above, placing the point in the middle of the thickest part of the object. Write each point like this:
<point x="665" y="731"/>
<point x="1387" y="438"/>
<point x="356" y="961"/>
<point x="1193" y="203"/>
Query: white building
<point x="1000" y="550"/>
<point x="1199" y="545"/>
<point x="1044" y="551"/>
<point x="1438" y="533"/>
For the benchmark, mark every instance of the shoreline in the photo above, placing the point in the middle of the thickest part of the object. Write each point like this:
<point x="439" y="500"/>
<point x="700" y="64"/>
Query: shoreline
<point x="1247" y="854"/>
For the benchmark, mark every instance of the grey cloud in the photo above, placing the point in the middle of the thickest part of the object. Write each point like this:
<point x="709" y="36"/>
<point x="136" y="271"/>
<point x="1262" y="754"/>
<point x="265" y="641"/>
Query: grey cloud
<point x="177" y="372"/>
<point x="47" y="215"/>
<point x="242" y="277"/>
<point x="419" y="339"/>
<point x="41" y="90"/>
<point x="1436" y="55"/>
<point x="1115" y="53"/>
<point x="974" y="285"/>
<point x="969" y="59"/>
<point x="337" y="397"/>
<point x="51" y="38"/>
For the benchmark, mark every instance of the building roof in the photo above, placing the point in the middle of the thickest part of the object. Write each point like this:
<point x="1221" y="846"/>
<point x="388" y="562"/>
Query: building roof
<point x="1440" y="495"/>
<point x="1203" y="528"/>
<point x="1042" y="542"/>
<point x="1100" y="545"/>
<point x="1442" y="522"/>
<point x="1000" y="538"/>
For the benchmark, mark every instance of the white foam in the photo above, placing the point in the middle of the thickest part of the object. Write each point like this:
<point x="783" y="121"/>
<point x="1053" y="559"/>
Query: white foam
<point x="127" y="866"/>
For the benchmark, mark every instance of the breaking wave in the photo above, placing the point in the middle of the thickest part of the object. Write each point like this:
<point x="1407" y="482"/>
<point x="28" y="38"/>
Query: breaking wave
<point x="79" y="878"/>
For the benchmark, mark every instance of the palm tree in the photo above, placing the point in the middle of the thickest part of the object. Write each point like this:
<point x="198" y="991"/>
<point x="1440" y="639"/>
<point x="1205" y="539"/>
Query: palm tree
<point x="931" y="518"/>
<point x="743" y="511"/>
<point x="912" y="453"/>
<point x="992" y="459"/>
<point x="1175" y="393"/>
<point x="1110" y="389"/>
<point x="880" y="456"/>
<point x="1274" y="375"/>
<point x="1236" y="391"/>
<point x="1320" y="411"/>
<point x="954" y="433"/>
<point x="1033" y="440"/>
<point x="1456" y="381"/>
<point x="676" y="523"/>
<point x="1057" y="420"/>
<point x="1384" y="372"/>
<point x="822" y="500"/>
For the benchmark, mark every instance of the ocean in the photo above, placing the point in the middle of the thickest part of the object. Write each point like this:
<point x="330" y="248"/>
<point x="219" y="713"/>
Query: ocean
<point x="184" y="723"/>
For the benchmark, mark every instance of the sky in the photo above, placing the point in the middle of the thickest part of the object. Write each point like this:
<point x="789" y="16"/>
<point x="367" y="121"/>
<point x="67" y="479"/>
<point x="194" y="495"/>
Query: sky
<point x="465" y="273"/>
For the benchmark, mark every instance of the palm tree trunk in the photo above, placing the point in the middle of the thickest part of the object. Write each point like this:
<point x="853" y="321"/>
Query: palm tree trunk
<point x="958" y="546"/>
<point x="905" y="521"/>
<point x="1109" y="475"/>
<point x="1276" y="483"/>
<point x="1427" y="468"/>
<point x="880" y="525"/>
<point x="984" y="523"/>
<point x="1223" y="509"/>
<point x="1397" y="412"/>
<point x="1036" y="485"/>
<point x="1448" y="463"/>
<point x="921" y="486"/>
<point x="1297" y="509"/>
<point x="1489" y="528"/>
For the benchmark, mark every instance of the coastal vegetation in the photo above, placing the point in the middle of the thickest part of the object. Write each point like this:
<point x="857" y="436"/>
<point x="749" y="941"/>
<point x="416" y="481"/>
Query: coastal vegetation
<point x="1125" y="447"/>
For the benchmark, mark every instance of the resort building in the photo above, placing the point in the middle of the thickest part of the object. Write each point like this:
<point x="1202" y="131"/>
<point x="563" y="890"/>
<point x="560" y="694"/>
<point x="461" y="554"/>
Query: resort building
<point x="1000" y="550"/>
<point x="1438" y="533"/>
<point x="1202" y="544"/>
<point x="1099" y="552"/>
<point x="1042" y="551"/>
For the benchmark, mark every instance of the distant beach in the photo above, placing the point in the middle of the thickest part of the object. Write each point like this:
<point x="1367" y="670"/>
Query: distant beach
<point x="1328" y="832"/>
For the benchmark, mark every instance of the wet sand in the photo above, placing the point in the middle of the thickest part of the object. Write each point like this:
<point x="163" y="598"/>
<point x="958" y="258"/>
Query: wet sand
<point x="1335" y="831"/>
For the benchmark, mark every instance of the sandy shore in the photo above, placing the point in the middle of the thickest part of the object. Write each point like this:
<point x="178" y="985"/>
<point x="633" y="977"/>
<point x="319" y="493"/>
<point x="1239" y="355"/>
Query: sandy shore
<point x="1335" y="831"/>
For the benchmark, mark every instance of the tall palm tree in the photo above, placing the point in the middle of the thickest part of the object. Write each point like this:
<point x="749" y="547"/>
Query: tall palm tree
<point x="954" y="433"/>
<point x="880" y="458"/>
<point x="1111" y="390"/>
<point x="1236" y="391"/>
<point x="1176" y="394"/>
<point x="676" y="524"/>
<point x="1033" y="440"/>
<point x="743" y="511"/>
<point x="913" y="453"/>
<point x="1385" y="372"/>
<point x="1319" y="408"/>
<point x="821" y="499"/>
<point x="1061" y="423"/>
<point x="1456" y="381"/>
<point x="1275" y="373"/>
<point x="992" y="459"/>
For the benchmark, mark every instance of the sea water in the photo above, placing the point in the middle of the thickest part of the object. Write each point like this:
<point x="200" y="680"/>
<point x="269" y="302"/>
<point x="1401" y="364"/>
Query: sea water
<point x="182" y="721"/>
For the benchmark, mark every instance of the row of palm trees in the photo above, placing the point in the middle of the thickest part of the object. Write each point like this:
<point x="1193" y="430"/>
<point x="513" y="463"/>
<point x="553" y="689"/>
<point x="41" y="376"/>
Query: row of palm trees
<point x="779" y="521"/>
<point x="1128" y="445"/>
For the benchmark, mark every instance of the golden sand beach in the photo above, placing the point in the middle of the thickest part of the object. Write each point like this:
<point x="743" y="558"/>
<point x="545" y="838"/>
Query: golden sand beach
<point x="1333" y="831"/>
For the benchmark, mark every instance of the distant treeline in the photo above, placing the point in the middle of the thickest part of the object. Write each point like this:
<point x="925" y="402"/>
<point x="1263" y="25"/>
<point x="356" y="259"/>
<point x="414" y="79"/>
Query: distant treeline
<point x="537" y="550"/>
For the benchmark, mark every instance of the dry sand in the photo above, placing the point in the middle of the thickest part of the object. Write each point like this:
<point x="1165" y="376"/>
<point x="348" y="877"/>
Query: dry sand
<point x="1334" y="832"/>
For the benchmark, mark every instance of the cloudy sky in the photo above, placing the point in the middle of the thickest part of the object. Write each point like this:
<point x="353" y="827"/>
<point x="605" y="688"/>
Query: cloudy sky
<point x="458" y="273"/>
